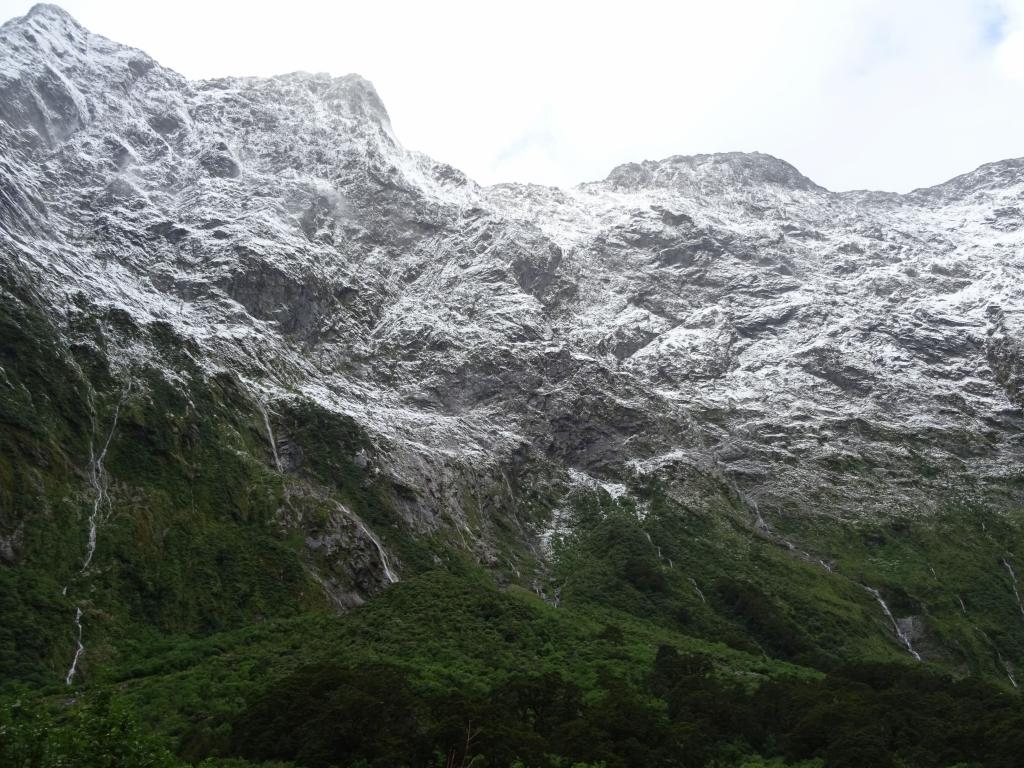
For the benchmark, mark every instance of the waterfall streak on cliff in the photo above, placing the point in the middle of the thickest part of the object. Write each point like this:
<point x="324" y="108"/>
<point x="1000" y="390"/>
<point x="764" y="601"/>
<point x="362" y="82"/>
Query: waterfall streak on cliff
<point x="98" y="481"/>
<point x="79" y="648"/>
<point x="381" y="552"/>
<point x="904" y="638"/>
<point x="1013" y="581"/>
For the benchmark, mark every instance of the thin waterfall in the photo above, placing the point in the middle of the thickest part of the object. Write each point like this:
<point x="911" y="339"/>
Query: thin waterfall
<point x="696" y="589"/>
<point x="657" y="549"/>
<point x="98" y="476"/>
<point x="903" y="636"/>
<point x="262" y="408"/>
<point x="98" y="480"/>
<point x="384" y="560"/>
<point x="1013" y="581"/>
<point x="1009" y="673"/>
<point x="79" y="648"/>
<point x="762" y="524"/>
<point x="270" y="437"/>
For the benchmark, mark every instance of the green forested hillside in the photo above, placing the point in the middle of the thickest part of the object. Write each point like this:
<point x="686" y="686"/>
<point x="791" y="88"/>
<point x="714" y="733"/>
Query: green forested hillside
<point x="445" y="669"/>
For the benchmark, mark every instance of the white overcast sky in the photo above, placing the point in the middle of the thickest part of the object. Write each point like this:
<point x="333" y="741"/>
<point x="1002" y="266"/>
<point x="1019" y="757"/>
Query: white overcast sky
<point x="881" y="94"/>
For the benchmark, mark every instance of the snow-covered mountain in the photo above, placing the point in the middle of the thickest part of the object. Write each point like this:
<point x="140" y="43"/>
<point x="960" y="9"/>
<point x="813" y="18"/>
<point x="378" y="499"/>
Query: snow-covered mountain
<point x="718" y="325"/>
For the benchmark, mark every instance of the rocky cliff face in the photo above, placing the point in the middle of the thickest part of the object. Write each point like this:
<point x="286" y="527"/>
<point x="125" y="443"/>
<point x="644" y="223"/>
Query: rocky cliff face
<point x="717" y="326"/>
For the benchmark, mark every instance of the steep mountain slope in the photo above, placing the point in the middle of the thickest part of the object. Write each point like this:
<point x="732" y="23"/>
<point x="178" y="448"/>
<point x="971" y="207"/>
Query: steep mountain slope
<point x="258" y="359"/>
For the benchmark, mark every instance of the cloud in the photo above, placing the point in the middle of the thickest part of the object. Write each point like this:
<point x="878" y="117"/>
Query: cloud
<point x="1009" y="42"/>
<point x="855" y="93"/>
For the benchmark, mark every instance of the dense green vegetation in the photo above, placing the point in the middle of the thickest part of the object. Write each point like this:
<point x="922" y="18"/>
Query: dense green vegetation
<point x="446" y="669"/>
<point x="758" y="595"/>
<point x="185" y="548"/>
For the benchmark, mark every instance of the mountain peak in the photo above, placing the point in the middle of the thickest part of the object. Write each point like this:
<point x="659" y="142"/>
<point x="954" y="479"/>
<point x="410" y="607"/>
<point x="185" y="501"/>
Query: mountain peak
<point x="56" y="76"/>
<point x="48" y="16"/>
<point x="47" y="28"/>
<point x="1001" y="174"/>
<point x="48" y="9"/>
<point x="711" y="172"/>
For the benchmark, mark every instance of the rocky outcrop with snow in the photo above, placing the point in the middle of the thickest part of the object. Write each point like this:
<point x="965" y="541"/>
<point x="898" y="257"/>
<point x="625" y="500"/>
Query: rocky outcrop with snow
<point x="830" y="354"/>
